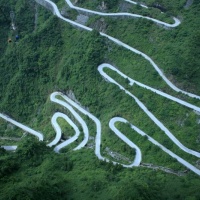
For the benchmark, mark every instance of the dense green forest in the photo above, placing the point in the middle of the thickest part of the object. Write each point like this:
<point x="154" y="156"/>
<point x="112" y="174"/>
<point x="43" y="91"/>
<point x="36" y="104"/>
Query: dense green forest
<point x="51" y="55"/>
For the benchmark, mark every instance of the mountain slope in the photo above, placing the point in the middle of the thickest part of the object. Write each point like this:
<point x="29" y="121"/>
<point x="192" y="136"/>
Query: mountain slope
<point x="55" y="56"/>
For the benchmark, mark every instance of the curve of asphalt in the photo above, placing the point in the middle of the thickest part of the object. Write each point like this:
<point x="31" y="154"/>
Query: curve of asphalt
<point x="138" y="154"/>
<point x="97" y="122"/>
<point x="170" y="84"/>
<point x="179" y="159"/>
<point x="56" y="128"/>
<point x="144" y="108"/>
<point x="77" y="117"/>
<point x="59" y="131"/>
<point x="132" y="81"/>
<point x="176" y="21"/>
<point x="120" y="43"/>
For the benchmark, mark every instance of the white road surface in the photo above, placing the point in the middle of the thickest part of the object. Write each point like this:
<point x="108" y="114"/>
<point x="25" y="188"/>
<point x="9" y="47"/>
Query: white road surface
<point x="179" y="159"/>
<point x="176" y="21"/>
<point x="9" y="148"/>
<point x="23" y="127"/>
<point x="136" y="3"/>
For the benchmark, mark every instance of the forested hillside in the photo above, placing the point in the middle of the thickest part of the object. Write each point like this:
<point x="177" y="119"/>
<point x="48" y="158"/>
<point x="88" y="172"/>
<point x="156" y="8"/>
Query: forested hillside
<point x="44" y="54"/>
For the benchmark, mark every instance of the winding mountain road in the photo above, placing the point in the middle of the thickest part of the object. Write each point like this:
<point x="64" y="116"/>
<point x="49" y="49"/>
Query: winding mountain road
<point x="137" y="159"/>
<point x="176" y="21"/>
<point x="144" y="108"/>
<point x="68" y="104"/>
<point x="55" y="10"/>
